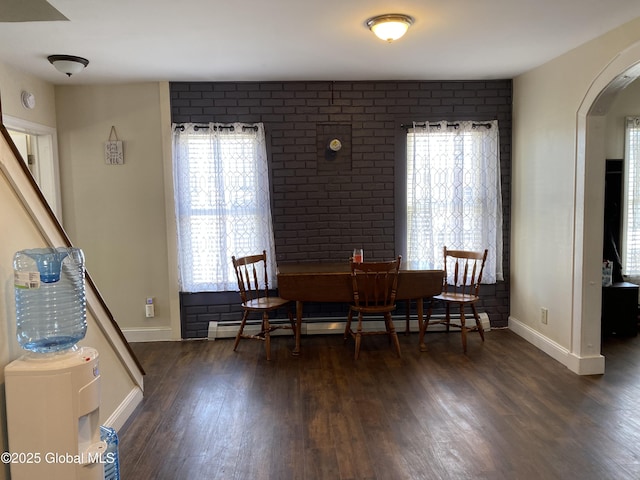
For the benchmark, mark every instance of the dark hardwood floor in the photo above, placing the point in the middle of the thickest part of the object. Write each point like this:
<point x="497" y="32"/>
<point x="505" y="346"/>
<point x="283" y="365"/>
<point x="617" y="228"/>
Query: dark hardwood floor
<point x="503" y="411"/>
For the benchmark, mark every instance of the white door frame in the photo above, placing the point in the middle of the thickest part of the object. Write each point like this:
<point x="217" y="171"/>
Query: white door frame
<point x="585" y="357"/>
<point x="46" y="154"/>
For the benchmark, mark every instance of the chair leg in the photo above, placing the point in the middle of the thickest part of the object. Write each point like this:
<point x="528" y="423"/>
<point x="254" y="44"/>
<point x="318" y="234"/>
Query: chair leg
<point x="393" y="335"/>
<point x="241" y="329"/>
<point x="463" y="329"/>
<point x="347" y="328"/>
<point x="267" y="334"/>
<point x="291" y="320"/>
<point x="423" y="329"/>
<point x="407" y="316"/>
<point x="447" y="315"/>
<point x="478" y="322"/>
<point x="358" y="336"/>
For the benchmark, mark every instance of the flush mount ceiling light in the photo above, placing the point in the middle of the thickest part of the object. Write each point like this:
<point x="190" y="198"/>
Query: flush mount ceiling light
<point x="68" y="64"/>
<point x="390" y="27"/>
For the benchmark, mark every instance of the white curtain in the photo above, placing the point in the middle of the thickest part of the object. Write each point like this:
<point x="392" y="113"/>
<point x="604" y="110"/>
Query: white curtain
<point x="453" y="193"/>
<point x="221" y="181"/>
<point x="631" y="214"/>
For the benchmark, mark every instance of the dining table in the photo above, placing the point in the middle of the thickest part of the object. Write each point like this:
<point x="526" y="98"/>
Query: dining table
<point x="331" y="282"/>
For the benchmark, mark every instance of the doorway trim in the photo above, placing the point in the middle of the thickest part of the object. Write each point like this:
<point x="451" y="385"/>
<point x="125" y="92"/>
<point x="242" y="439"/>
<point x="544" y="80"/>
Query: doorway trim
<point x="47" y="153"/>
<point x="589" y="209"/>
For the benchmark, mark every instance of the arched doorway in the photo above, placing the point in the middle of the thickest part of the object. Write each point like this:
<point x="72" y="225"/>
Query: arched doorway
<point x="589" y="191"/>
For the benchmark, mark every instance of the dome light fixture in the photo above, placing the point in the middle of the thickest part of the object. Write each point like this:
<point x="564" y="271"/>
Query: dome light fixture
<point x="68" y="64"/>
<point x="390" y="27"/>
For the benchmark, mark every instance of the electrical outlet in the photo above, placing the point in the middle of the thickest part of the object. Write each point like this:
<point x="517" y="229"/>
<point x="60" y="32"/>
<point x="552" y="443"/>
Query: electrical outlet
<point x="149" y="308"/>
<point x="544" y="314"/>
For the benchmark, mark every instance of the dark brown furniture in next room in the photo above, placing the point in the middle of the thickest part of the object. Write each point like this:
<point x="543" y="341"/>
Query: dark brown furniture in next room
<point x="620" y="309"/>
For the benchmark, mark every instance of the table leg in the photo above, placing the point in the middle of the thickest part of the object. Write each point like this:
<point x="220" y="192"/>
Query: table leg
<point x="420" y="308"/>
<point x="296" y="350"/>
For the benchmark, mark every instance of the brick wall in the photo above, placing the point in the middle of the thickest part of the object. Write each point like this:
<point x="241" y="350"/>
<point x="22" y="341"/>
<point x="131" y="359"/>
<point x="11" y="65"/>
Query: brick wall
<point x="324" y="206"/>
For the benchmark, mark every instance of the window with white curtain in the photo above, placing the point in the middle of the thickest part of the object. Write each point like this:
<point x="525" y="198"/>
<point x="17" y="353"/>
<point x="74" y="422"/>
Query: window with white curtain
<point x="631" y="213"/>
<point x="222" y="200"/>
<point x="453" y="193"/>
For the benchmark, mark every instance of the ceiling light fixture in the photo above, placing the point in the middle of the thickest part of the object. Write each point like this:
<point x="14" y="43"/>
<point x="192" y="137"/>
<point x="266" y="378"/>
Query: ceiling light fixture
<point x="390" y="27"/>
<point x="68" y="64"/>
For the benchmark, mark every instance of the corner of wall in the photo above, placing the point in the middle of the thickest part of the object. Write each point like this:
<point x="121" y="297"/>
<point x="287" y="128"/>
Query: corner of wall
<point x="591" y="365"/>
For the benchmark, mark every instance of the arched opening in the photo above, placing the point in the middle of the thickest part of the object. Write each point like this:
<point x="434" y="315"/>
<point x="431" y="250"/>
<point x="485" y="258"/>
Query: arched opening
<point x="589" y="200"/>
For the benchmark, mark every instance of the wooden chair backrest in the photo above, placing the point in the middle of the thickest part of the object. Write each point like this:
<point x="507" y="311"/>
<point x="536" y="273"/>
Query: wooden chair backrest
<point x="251" y="272"/>
<point x="464" y="269"/>
<point x="375" y="284"/>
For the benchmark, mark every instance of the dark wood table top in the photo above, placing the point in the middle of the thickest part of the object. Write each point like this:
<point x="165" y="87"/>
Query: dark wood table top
<point x="331" y="282"/>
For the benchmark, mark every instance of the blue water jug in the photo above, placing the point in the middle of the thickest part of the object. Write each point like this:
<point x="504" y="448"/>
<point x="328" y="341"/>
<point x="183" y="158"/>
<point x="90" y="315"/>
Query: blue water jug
<point x="111" y="457"/>
<point x="51" y="313"/>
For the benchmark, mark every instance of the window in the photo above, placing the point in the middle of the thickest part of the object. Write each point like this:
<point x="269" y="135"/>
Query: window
<point x="453" y="193"/>
<point x="631" y="214"/>
<point x="222" y="199"/>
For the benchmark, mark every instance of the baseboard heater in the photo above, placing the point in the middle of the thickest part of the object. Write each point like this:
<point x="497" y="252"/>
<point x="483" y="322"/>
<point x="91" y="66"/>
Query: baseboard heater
<point x="326" y="326"/>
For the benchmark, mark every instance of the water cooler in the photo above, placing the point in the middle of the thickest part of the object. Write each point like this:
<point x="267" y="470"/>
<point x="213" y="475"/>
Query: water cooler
<point x="53" y="416"/>
<point x="53" y="391"/>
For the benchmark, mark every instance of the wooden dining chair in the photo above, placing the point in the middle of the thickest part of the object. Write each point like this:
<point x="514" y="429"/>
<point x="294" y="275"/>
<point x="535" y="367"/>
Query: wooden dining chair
<point x="253" y="283"/>
<point x="374" y="293"/>
<point x="465" y="269"/>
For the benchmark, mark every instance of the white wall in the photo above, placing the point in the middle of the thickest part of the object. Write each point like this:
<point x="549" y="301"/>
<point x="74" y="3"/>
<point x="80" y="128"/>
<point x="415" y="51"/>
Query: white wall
<point x="12" y="83"/>
<point x="117" y="213"/>
<point x="121" y="380"/>
<point x="626" y="103"/>
<point x="121" y="387"/>
<point x="557" y="198"/>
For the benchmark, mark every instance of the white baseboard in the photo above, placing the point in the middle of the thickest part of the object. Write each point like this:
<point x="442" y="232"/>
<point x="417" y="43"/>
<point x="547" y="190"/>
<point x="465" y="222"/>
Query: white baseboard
<point x="154" y="334"/>
<point x="593" y="365"/>
<point x="324" y="326"/>
<point x="121" y="414"/>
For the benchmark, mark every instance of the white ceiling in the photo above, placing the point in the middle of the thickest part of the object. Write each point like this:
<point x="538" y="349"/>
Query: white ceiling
<point x="238" y="40"/>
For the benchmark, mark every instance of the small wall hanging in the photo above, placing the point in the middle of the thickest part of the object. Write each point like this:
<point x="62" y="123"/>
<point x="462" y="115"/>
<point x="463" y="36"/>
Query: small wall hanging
<point x="113" y="152"/>
<point x="334" y="148"/>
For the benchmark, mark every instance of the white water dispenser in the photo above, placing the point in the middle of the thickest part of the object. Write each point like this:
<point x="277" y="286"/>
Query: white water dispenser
<point x="53" y="391"/>
<point x="53" y="406"/>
